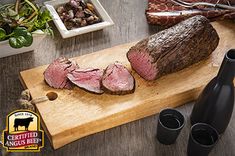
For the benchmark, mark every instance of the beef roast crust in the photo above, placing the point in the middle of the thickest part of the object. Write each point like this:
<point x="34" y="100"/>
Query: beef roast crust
<point x="176" y="48"/>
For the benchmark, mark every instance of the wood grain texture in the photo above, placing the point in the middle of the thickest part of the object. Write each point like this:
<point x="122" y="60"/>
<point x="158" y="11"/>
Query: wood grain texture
<point x="136" y="138"/>
<point x="87" y="113"/>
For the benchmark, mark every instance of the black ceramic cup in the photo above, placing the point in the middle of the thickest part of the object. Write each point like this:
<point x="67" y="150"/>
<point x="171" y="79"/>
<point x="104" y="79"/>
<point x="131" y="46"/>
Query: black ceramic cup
<point x="170" y="123"/>
<point x="202" y="139"/>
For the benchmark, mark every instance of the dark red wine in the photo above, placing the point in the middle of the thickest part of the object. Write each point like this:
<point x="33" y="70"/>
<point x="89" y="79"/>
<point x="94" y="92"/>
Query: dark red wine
<point x="170" y="121"/>
<point x="203" y="137"/>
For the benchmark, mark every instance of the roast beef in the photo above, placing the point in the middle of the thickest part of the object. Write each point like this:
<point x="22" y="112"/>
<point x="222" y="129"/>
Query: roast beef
<point x="118" y="80"/>
<point x="88" y="79"/>
<point x="173" y="49"/>
<point x="56" y="73"/>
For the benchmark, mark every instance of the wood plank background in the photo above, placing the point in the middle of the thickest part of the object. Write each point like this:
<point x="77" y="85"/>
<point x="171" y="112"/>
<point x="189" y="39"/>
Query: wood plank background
<point x="133" y="139"/>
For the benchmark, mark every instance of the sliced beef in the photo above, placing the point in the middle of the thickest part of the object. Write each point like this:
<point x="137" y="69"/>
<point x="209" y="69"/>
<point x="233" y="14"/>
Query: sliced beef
<point x="56" y="73"/>
<point x="88" y="79"/>
<point x="174" y="49"/>
<point x="118" y="80"/>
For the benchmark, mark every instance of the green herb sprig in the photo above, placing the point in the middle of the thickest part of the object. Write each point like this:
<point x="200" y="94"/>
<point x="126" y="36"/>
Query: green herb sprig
<point x="19" y="20"/>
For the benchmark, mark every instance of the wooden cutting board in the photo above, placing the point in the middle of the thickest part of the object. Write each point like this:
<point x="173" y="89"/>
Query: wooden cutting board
<point x="77" y="113"/>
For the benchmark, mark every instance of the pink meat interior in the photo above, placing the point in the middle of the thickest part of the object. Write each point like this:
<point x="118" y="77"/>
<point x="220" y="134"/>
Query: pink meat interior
<point x="118" y="78"/>
<point x="141" y="63"/>
<point x="56" y="73"/>
<point x="89" y="79"/>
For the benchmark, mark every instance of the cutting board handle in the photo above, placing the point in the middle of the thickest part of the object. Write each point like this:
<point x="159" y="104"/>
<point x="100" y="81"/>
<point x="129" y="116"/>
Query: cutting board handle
<point x="49" y="96"/>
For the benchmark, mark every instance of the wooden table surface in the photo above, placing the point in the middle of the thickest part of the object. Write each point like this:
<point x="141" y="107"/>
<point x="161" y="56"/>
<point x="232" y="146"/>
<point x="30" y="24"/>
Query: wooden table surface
<point x="136" y="138"/>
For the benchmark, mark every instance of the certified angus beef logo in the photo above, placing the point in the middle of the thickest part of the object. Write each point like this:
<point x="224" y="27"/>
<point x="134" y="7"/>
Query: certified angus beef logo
<point x="23" y="132"/>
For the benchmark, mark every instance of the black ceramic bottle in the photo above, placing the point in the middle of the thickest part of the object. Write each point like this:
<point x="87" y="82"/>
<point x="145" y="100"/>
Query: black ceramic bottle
<point x="215" y="104"/>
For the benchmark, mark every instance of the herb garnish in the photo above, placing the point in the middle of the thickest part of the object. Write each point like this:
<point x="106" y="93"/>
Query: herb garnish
<point x="19" y="20"/>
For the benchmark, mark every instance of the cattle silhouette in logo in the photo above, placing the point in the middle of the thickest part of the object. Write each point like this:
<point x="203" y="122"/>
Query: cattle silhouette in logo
<point x="22" y="122"/>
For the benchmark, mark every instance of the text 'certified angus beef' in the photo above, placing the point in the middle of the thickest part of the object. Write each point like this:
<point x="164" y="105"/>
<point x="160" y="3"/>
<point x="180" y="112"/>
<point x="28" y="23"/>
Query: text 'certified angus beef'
<point x="118" y="80"/>
<point x="56" y="73"/>
<point x="88" y="79"/>
<point x="174" y="49"/>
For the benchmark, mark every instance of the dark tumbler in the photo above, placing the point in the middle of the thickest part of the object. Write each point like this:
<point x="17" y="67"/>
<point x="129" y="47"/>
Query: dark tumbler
<point x="215" y="104"/>
<point x="202" y="139"/>
<point x="170" y="123"/>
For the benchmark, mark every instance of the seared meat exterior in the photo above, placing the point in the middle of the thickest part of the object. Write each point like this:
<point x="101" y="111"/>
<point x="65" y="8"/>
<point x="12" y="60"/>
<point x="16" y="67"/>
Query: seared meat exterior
<point x="174" y="49"/>
<point x="118" y="80"/>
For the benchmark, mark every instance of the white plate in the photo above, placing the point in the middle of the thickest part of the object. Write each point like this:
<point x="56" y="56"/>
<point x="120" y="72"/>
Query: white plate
<point x="65" y="33"/>
<point x="7" y="50"/>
